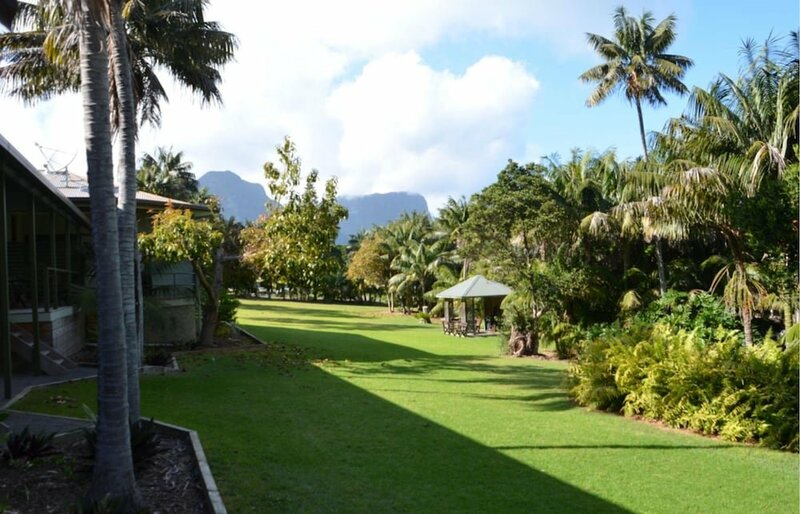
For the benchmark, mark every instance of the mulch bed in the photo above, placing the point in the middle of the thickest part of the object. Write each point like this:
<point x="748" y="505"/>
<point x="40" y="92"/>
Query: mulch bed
<point x="169" y="484"/>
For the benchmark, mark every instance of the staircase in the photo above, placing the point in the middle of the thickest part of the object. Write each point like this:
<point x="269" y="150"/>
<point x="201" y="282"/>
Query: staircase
<point x="53" y="363"/>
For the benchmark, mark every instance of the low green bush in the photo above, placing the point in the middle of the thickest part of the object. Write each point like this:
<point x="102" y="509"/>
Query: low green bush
<point x="423" y="317"/>
<point x="145" y="442"/>
<point x="28" y="445"/>
<point x="228" y="305"/>
<point x="696" y="311"/>
<point x="675" y="376"/>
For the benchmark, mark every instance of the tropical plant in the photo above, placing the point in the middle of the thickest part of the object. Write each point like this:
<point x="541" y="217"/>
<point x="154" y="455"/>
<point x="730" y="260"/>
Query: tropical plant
<point x="167" y="174"/>
<point x="636" y="63"/>
<point x="727" y="157"/>
<point x="28" y="445"/>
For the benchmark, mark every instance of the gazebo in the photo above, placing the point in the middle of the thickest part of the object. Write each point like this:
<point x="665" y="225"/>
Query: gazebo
<point x="467" y="291"/>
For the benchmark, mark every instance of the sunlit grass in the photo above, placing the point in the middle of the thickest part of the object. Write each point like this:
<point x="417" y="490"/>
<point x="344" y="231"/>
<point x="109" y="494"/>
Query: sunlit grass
<point x="379" y="413"/>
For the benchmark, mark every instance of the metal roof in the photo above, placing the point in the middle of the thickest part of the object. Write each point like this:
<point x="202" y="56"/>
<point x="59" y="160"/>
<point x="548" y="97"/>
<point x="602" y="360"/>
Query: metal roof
<point x="76" y="188"/>
<point x="35" y="178"/>
<point x="476" y="287"/>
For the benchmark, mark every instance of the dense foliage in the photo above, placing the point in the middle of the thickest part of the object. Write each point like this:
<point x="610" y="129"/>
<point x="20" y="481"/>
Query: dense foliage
<point x="713" y="385"/>
<point x="293" y="247"/>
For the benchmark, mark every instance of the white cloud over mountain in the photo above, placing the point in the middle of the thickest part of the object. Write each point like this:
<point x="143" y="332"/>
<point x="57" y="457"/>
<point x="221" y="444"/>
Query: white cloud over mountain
<point x="347" y="81"/>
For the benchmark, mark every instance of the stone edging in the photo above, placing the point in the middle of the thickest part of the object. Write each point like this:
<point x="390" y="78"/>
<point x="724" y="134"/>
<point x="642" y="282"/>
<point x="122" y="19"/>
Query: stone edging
<point x="212" y="496"/>
<point x="249" y="335"/>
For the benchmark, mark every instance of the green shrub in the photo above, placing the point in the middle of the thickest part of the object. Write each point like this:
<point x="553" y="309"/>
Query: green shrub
<point x="423" y="317"/>
<point x="145" y="442"/>
<point x="723" y="388"/>
<point x="697" y="312"/>
<point x="228" y="305"/>
<point x="27" y="445"/>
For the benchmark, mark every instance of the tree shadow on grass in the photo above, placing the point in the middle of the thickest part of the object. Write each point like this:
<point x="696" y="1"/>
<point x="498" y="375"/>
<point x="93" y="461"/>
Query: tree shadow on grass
<point x="314" y="442"/>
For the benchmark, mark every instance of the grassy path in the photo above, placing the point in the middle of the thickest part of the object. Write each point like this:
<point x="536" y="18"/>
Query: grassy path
<point x="392" y="416"/>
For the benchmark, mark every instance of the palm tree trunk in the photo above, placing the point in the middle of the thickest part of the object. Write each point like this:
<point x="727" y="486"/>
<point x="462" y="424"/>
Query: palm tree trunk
<point x="113" y="468"/>
<point x="641" y="127"/>
<point x="126" y="201"/>
<point x="662" y="273"/>
<point x="747" y="325"/>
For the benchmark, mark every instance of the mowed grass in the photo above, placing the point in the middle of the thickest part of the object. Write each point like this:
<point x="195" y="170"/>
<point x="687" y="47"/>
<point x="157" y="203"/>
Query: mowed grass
<point x="378" y="413"/>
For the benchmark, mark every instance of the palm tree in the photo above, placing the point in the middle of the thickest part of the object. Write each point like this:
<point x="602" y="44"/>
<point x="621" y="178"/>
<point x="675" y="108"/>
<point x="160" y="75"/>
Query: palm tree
<point x="167" y="174"/>
<point x="636" y="63"/>
<point x="126" y="197"/>
<point x="40" y="57"/>
<point x="450" y="225"/>
<point x="42" y="61"/>
<point x="736" y="138"/>
<point x="113" y="469"/>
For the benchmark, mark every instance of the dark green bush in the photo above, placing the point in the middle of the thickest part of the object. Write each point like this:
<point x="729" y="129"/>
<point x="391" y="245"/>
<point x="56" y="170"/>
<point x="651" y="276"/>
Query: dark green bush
<point x="145" y="442"/>
<point x="228" y="305"/>
<point x="724" y="388"/>
<point x="27" y="445"/>
<point x="696" y="311"/>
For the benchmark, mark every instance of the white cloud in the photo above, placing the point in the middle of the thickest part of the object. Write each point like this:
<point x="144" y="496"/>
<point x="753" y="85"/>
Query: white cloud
<point x="408" y="127"/>
<point x="345" y="80"/>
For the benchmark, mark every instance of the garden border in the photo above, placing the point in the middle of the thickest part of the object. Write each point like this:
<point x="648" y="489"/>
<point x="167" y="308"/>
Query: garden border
<point x="212" y="496"/>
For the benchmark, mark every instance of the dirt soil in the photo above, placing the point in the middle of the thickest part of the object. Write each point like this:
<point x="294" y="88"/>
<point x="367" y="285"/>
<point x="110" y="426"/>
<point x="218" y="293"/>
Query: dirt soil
<point x="169" y="484"/>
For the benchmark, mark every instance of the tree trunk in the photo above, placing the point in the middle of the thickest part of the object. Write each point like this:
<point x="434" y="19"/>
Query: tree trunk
<point x="662" y="273"/>
<point x="126" y="200"/>
<point x="641" y="127"/>
<point x="211" y="308"/>
<point x="113" y="467"/>
<point x="747" y="325"/>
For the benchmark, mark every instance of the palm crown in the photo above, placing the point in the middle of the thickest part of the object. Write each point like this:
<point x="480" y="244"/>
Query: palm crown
<point x="636" y="62"/>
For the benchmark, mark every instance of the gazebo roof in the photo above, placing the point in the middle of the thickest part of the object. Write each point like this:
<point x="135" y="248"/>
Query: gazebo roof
<point x="476" y="287"/>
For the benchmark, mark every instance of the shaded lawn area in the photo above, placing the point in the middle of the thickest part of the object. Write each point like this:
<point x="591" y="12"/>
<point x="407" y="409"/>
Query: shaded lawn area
<point x="392" y="416"/>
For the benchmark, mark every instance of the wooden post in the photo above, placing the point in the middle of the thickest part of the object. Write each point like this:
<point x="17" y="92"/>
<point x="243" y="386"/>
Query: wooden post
<point x="68" y="250"/>
<point x="5" y="329"/>
<point x="32" y="255"/>
<point x="53" y="262"/>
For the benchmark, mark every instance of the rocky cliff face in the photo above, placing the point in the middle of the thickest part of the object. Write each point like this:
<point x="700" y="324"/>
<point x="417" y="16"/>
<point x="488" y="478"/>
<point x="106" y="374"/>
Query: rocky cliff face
<point x="246" y="201"/>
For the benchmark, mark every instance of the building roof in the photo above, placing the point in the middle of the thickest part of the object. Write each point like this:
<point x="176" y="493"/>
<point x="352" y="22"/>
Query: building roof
<point x="76" y="188"/>
<point x="476" y="287"/>
<point x="26" y="172"/>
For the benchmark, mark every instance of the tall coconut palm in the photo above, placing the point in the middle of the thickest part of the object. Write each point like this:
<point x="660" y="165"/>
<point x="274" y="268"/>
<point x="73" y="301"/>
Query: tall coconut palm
<point x="450" y="225"/>
<point x="113" y="470"/>
<point x="636" y="63"/>
<point x="40" y="56"/>
<point x="41" y="60"/>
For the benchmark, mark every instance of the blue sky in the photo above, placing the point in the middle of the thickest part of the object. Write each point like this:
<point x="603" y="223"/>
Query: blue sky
<point x="429" y="97"/>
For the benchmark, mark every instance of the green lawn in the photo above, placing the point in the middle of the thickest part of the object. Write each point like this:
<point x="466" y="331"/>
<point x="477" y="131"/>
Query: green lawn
<point x="392" y="416"/>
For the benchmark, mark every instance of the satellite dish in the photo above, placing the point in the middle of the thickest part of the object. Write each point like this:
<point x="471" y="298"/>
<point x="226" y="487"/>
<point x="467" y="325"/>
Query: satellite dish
<point x="56" y="161"/>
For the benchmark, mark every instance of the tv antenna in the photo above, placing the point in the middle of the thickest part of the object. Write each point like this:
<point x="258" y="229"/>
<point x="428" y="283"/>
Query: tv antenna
<point x="52" y="159"/>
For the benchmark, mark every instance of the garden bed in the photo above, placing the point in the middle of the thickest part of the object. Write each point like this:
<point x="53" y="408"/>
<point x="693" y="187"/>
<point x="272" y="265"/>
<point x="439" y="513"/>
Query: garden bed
<point x="171" y="483"/>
